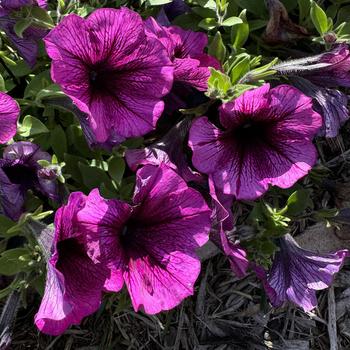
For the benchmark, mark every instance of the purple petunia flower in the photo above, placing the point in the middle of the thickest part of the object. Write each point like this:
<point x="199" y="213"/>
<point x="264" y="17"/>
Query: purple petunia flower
<point x="328" y="69"/>
<point x="191" y="63"/>
<point x="266" y="140"/>
<point x="112" y="71"/>
<point x="297" y="274"/>
<point x="186" y="51"/>
<point x="27" y="46"/>
<point x="6" y="6"/>
<point x="150" y="245"/>
<point x="169" y="150"/>
<point x="19" y="172"/>
<point x="223" y="225"/>
<point x="330" y="103"/>
<point x="74" y="282"/>
<point x="9" y="113"/>
<point x="170" y="11"/>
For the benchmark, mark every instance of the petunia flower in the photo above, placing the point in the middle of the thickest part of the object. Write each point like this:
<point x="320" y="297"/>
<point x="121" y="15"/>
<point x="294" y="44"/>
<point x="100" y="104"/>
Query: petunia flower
<point x="149" y="245"/>
<point x="112" y="71"/>
<point x="19" y="172"/>
<point x="9" y="113"/>
<point x="6" y="6"/>
<point x="222" y="227"/>
<point x="170" y="150"/>
<point x="170" y="11"/>
<point x="191" y="64"/>
<point x="266" y="140"/>
<point x="74" y="282"/>
<point x="332" y="104"/>
<point x="328" y="69"/>
<point x="27" y="46"/>
<point x="296" y="274"/>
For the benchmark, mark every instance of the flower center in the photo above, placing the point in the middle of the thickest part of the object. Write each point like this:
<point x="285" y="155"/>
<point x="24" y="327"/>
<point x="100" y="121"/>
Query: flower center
<point x="252" y="132"/>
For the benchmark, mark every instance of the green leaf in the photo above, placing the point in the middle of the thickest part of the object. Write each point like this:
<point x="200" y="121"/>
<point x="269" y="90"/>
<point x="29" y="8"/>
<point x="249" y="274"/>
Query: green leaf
<point x="42" y="17"/>
<point x="52" y="90"/>
<point x="39" y="82"/>
<point x="58" y="141"/>
<point x="92" y="176"/>
<point x="232" y="21"/>
<point x="2" y="84"/>
<point x="240" y="69"/>
<point x="158" y="2"/>
<point x="208" y="23"/>
<point x="71" y="166"/>
<point x="304" y="9"/>
<point x="21" y="25"/>
<point x="240" y="32"/>
<point x="217" y="48"/>
<point x="32" y="126"/>
<point x="116" y="169"/>
<point x="253" y="6"/>
<point x="297" y="202"/>
<point x="319" y="18"/>
<point x="10" y="264"/>
<point x="210" y="4"/>
<point x="204" y="12"/>
<point x="5" y="225"/>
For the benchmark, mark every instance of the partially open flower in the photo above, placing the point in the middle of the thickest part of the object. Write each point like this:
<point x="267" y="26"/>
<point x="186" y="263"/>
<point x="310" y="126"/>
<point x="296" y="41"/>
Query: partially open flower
<point x="297" y="274"/>
<point x="112" y="71"/>
<point x="328" y="69"/>
<point x="151" y="244"/>
<point x="6" y="6"/>
<point x="222" y="227"/>
<point x="9" y="113"/>
<point x="74" y="283"/>
<point x="19" y="172"/>
<point x="266" y="140"/>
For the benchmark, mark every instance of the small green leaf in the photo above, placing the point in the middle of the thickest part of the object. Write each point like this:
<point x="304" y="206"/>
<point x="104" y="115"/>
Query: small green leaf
<point x="217" y="48"/>
<point x="92" y="176"/>
<point x="240" y="32"/>
<point x="42" y="17"/>
<point x="2" y="84"/>
<point x="241" y="68"/>
<point x="116" y="169"/>
<point x="297" y="202"/>
<point x="319" y="18"/>
<point x="10" y="264"/>
<point x="58" y="141"/>
<point x="208" y="23"/>
<point x="158" y="2"/>
<point x="232" y="21"/>
<point x="5" y="225"/>
<point x="32" y="126"/>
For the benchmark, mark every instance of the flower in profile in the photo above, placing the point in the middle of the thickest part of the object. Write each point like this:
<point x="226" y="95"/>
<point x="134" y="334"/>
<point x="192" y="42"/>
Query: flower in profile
<point x="74" y="283"/>
<point x="222" y="227"/>
<point x="19" y="172"/>
<point x="266" y="140"/>
<point x="169" y="150"/>
<point x="332" y="104"/>
<point x="296" y="274"/>
<point x="151" y="244"/>
<point x="191" y="64"/>
<point x="112" y="71"/>
<point x="9" y="113"/>
<point x="328" y="69"/>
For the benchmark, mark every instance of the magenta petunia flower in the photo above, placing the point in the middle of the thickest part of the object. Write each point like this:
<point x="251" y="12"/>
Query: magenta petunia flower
<point x="170" y="150"/>
<point x="112" y="71"/>
<point x="186" y="50"/>
<point x="9" y="113"/>
<point x="266" y="140"/>
<point x="222" y="228"/>
<point x="150" y="245"/>
<point x="74" y="282"/>
<point x="297" y="274"/>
